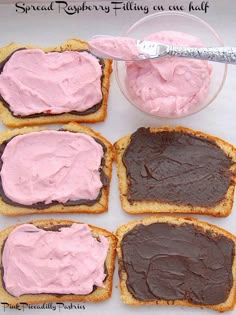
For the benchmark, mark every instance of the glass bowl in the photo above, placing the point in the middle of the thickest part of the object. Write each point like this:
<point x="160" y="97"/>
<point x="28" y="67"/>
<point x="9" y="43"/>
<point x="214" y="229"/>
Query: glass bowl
<point x="179" y="22"/>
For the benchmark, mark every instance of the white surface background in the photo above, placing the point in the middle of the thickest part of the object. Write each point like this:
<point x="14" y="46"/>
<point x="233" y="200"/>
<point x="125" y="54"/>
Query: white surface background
<point x="218" y="119"/>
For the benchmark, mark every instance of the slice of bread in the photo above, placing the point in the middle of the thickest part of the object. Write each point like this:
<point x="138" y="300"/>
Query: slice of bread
<point x="204" y="227"/>
<point x="221" y="209"/>
<point x="100" y="294"/>
<point x="100" y="206"/>
<point x="73" y="44"/>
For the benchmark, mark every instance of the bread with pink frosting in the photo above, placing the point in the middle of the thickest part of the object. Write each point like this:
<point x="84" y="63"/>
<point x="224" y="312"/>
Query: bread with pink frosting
<point x="99" y="242"/>
<point x="55" y="171"/>
<point x="186" y="171"/>
<point x="47" y="88"/>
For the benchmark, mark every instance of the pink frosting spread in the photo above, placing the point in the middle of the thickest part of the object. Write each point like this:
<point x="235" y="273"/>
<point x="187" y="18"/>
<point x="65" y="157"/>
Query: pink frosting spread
<point x="169" y="86"/>
<point x="116" y="47"/>
<point x="36" y="82"/>
<point x="69" y="261"/>
<point x="51" y="166"/>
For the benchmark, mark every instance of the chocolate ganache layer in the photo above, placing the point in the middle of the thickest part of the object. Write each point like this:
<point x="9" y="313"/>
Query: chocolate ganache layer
<point x="42" y="205"/>
<point x="177" y="168"/>
<point x="177" y="262"/>
<point x="88" y="111"/>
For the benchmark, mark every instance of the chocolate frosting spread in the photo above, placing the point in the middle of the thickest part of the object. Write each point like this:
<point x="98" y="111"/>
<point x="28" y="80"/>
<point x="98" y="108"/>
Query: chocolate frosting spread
<point x="176" y="167"/>
<point x="177" y="262"/>
<point x="88" y="111"/>
<point x="41" y="205"/>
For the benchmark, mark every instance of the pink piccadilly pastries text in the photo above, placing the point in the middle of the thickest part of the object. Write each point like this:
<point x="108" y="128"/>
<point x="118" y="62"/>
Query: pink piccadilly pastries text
<point x="69" y="261"/>
<point x="33" y="82"/>
<point x="51" y="166"/>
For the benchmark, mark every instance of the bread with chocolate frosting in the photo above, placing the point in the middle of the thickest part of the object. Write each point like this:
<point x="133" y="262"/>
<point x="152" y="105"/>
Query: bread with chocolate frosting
<point x="98" y="115"/>
<point x="97" y="206"/>
<point x="179" y="261"/>
<point x="98" y="294"/>
<point x="175" y="169"/>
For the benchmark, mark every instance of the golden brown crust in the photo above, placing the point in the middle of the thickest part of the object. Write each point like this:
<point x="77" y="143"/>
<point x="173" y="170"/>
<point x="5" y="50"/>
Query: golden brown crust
<point x="98" y="207"/>
<point x="127" y="296"/>
<point x="100" y="115"/>
<point x="100" y="294"/>
<point x="222" y="209"/>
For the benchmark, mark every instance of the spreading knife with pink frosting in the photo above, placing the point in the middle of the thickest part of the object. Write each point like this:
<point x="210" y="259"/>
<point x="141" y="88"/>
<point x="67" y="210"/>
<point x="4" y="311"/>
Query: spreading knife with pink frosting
<point x="130" y="49"/>
<point x="169" y="87"/>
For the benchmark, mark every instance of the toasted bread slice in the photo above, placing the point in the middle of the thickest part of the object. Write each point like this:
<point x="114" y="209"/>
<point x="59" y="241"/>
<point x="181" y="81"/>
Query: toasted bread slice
<point x="99" y="115"/>
<point x="100" y="206"/>
<point x="100" y="294"/>
<point x="203" y="227"/>
<point x="221" y="209"/>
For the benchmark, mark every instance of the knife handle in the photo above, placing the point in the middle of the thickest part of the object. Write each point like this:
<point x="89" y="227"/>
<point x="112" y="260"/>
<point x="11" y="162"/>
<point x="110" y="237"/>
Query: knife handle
<point x="217" y="54"/>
